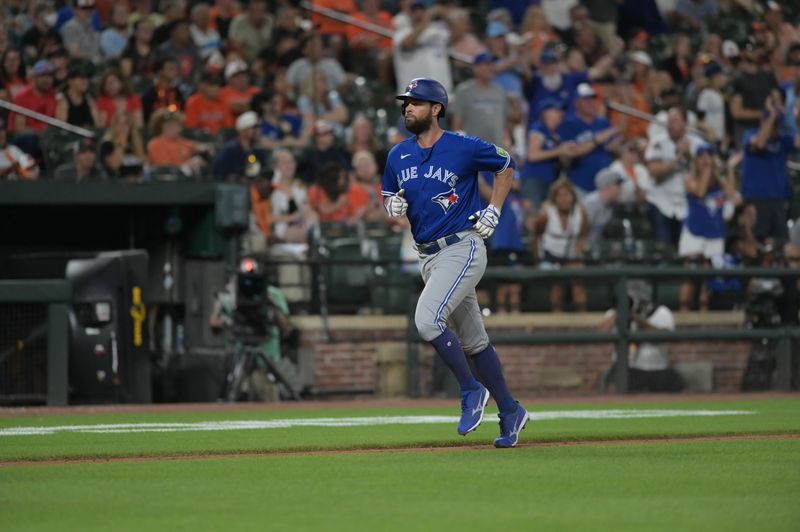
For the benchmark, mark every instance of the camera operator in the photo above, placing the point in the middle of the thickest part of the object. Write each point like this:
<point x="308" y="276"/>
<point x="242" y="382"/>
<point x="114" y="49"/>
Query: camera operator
<point x="257" y="314"/>
<point x="648" y="363"/>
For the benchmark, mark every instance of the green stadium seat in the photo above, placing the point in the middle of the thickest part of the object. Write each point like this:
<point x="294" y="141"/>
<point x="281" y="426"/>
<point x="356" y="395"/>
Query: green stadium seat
<point x="347" y="283"/>
<point x="57" y="147"/>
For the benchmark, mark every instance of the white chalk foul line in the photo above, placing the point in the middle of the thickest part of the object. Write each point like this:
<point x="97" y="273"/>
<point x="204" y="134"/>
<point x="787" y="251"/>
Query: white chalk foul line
<point x="117" y="428"/>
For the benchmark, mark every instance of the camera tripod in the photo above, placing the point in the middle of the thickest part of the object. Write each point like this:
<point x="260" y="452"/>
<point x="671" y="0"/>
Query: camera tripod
<point x="244" y="355"/>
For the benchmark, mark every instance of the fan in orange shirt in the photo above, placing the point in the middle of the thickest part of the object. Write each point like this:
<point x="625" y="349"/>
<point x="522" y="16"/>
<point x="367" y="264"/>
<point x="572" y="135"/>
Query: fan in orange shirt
<point x="169" y="148"/>
<point x="238" y="92"/>
<point x="328" y="26"/>
<point x="334" y="198"/>
<point x="205" y="109"/>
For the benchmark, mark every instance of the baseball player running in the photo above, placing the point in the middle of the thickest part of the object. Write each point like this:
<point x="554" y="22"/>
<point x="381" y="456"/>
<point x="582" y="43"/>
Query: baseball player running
<point x="432" y="179"/>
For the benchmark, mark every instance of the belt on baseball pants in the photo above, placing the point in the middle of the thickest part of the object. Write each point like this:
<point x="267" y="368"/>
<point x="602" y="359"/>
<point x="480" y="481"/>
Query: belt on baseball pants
<point x="439" y="244"/>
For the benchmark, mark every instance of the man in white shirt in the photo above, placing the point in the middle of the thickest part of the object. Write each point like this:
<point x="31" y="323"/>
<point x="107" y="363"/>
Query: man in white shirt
<point x="421" y="49"/>
<point x="648" y="362"/>
<point x="667" y="158"/>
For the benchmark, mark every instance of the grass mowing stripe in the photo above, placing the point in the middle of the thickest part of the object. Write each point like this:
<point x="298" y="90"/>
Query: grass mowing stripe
<point x="743" y="485"/>
<point x="774" y="416"/>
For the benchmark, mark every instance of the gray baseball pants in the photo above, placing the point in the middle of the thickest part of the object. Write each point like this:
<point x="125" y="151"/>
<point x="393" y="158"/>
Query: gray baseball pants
<point x="449" y="298"/>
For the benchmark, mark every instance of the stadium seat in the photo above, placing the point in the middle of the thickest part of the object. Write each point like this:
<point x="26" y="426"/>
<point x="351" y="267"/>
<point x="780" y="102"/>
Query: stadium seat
<point x="347" y="282"/>
<point x="57" y="147"/>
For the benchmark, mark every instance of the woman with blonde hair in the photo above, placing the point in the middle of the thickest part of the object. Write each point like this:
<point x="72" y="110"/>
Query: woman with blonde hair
<point x="559" y="236"/>
<point x="122" y="152"/>
<point x="535" y="30"/>
<point x="711" y="201"/>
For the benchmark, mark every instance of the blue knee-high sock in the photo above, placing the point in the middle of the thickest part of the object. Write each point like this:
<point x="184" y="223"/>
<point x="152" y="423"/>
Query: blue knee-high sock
<point x="446" y="344"/>
<point x="488" y="365"/>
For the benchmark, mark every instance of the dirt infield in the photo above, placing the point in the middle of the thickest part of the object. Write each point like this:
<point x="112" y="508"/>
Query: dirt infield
<point x="362" y="402"/>
<point x="379" y="450"/>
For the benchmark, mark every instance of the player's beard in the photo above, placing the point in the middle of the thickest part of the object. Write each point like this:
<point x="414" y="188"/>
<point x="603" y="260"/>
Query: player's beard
<point x="418" y="126"/>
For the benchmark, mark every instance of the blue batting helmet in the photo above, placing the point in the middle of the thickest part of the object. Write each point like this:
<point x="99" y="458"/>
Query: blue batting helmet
<point x="425" y="89"/>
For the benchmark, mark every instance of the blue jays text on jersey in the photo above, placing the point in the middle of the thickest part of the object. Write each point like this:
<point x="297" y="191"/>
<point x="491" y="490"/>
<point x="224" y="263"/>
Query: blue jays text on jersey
<point x="440" y="182"/>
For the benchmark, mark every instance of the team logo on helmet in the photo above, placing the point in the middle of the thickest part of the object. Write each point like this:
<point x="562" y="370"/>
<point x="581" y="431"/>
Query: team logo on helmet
<point x="445" y="200"/>
<point x="411" y="86"/>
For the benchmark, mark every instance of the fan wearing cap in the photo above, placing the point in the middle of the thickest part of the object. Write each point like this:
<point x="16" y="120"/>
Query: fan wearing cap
<point x="84" y="164"/>
<point x="511" y="64"/>
<point x="551" y="81"/>
<point x="170" y="148"/>
<point x="594" y="138"/>
<point x="14" y="163"/>
<point x="39" y="96"/>
<point x="599" y="205"/>
<point x="241" y="158"/>
<point x="205" y="110"/>
<point x="164" y="93"/>
<point x="649" y="367"/>
<point x="237" y="92"/>
<point x="324" y="148"/>
<point x="711" y="102"/>
<point x="480" y="107"/>
<point x="711" y="201"/>
<point x="765" y="178"/>
<point x="80" y="37"/>
<point x="544" y="150"/>
<point x="421" y="49"/>
<point x="74" y="104"/>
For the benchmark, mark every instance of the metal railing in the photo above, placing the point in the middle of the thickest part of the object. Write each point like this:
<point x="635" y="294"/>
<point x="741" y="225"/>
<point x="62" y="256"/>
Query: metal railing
<point x="622" y="337"/>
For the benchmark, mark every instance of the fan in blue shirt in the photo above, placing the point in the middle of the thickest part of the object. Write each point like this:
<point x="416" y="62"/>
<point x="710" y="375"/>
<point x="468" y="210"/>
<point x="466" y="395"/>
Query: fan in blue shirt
<point x="765" y="180"/>
<point x="594" y="137"/>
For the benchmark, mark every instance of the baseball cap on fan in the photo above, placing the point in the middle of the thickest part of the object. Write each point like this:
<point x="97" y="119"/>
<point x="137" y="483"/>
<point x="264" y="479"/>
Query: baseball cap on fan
<point x="607" y="177"/>
<point x="235" y="67"/>
<point x="730" y="49"/>
<point x="483" y="57"/>
<point x="496" y="29"/>
<point x="585" y="90"/>
<point x="246" y="120"/>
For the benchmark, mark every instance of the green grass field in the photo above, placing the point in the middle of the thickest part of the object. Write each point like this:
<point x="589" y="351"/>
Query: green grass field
<point x="743" y="474"/>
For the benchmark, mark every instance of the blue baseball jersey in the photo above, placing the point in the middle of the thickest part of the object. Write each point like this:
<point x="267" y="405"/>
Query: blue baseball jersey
<point x="508" y="234"/>
<point x="764" y="173"/>
<point x="547" y="170"/>
<point x="705" y="218"/>
<point x="583" y="169"/>
<point x="440" y="183"/>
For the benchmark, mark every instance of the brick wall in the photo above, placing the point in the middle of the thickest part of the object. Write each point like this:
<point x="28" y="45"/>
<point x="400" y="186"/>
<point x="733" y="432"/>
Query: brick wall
<point x="347" y="362"/>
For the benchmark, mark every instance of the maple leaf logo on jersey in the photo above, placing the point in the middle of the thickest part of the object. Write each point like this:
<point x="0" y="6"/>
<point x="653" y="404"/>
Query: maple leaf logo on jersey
<point x="445" y="200"/>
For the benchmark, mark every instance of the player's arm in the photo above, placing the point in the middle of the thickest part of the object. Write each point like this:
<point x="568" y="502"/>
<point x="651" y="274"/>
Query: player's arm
<point x="501" y="187"/>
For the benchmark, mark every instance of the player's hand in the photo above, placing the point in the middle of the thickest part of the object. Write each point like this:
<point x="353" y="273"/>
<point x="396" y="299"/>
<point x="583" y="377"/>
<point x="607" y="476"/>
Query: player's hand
<point x="397" y="205"/>
<point x="486" y="221"/>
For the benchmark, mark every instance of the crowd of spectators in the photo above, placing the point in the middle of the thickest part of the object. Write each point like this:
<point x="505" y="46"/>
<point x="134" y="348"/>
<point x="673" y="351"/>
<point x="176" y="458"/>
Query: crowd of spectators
<point x="300" y="106"/>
